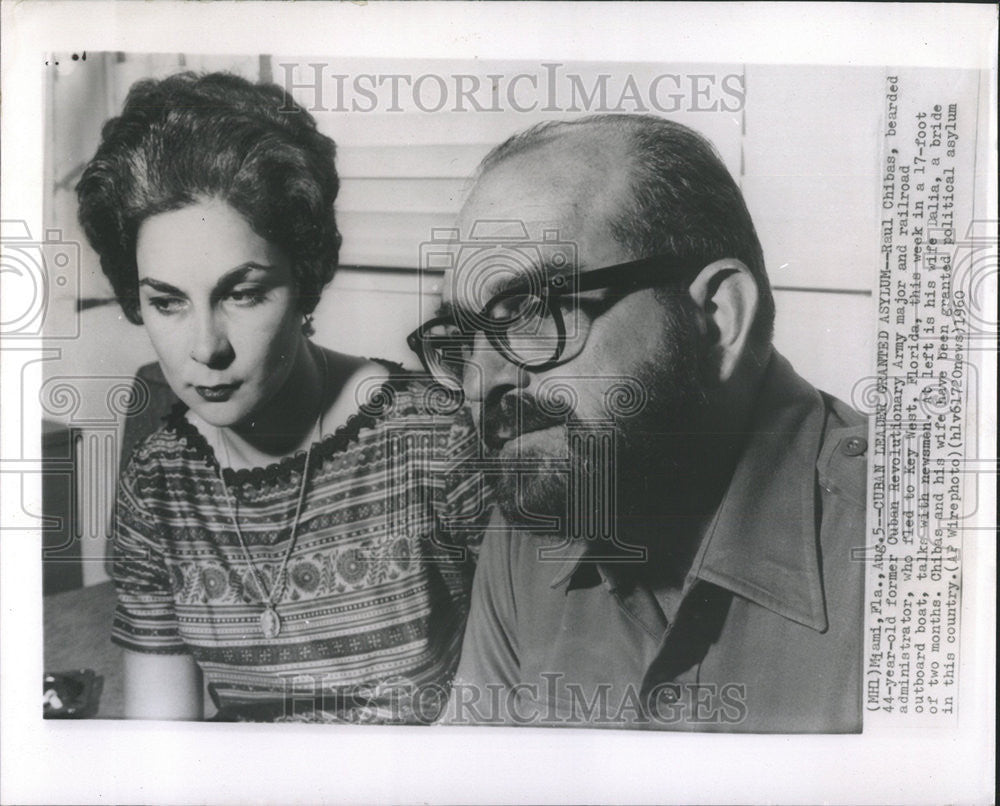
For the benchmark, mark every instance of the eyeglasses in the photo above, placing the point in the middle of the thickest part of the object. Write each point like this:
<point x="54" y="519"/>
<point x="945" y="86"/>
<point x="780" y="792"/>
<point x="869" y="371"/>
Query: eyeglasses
<point x="538" y="321"/>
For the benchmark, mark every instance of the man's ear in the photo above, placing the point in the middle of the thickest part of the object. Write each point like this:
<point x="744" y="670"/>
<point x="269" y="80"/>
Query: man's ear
<point x="728" y="298"/>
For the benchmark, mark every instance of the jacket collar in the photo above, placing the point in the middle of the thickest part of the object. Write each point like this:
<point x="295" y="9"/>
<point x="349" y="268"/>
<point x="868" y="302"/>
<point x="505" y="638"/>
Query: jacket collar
<point x="763" y="543"/>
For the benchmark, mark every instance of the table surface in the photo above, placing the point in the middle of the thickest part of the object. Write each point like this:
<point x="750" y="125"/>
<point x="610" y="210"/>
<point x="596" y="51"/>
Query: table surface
<point x="78" y="636"/>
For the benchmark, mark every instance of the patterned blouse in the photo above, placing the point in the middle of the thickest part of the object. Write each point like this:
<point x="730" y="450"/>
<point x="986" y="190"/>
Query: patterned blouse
<point x="376" y="592"/>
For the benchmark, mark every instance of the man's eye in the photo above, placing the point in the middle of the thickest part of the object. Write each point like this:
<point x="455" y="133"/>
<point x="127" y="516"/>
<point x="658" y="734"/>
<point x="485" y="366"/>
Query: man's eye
<point x="247" y="297"/>
<point x="166" y="305"/>
<point x="508" y="310"/>
<point x="448" y="335"/>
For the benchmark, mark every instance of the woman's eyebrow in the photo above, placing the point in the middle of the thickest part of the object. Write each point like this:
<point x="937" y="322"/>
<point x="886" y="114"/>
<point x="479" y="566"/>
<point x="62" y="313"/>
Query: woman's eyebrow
<point x="159" y="285"/>
<point x="230" y="278"/>
<point x="239" y="273"/>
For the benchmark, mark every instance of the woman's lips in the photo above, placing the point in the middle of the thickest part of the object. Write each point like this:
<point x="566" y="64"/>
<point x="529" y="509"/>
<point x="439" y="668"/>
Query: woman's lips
<point x="217" y="394"/>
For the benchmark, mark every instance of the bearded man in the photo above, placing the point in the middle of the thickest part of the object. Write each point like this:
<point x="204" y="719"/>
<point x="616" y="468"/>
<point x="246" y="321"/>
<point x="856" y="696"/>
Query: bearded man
<point x="680" y="515"/>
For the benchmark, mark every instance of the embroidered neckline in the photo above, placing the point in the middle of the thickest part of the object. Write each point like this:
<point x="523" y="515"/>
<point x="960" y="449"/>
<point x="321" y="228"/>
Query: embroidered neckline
<point x="379" y="403"/>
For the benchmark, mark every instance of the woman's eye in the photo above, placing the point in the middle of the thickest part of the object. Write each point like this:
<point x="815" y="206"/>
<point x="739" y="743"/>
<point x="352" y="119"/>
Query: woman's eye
<point x="247" y="297"/>
<point x="166" y="305"/>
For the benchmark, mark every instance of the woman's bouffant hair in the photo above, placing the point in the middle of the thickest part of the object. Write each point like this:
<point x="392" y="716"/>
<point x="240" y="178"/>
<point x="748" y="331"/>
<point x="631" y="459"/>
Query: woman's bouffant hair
<point x="188" y="138"/>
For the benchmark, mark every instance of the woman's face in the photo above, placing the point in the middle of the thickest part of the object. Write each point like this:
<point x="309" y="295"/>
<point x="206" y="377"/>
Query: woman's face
<point x="221" y="308"/>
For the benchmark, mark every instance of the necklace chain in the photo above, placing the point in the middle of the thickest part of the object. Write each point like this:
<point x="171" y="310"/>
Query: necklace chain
<point x="269" y="621"/>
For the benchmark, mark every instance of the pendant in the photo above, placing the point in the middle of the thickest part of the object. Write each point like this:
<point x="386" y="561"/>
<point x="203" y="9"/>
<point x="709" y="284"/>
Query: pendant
<point x="269" y="622"/>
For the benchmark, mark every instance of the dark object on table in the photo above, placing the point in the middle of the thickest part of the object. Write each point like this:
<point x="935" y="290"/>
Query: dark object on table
<point x="70" y="695"/>
<point x="78" y="636"/>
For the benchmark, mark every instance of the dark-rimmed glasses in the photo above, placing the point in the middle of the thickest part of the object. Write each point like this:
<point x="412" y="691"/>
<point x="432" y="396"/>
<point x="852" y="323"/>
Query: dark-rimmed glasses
<point x="526" y="321"/>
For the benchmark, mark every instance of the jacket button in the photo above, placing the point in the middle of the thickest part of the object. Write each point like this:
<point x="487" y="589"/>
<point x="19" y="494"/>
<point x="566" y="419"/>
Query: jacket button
<point x="855" y="446"/>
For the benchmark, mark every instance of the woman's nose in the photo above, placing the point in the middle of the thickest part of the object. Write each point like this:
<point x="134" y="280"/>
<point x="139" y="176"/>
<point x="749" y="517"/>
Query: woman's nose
<point x="210" y="343"/>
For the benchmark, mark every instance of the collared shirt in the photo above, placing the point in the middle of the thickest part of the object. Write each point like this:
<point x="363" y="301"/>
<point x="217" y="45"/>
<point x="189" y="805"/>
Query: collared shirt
<point x="766" y="635"/>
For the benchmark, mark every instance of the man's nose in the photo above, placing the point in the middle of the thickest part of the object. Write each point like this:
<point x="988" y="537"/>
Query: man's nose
<point x="488" y="372"/>
<point x="210" y="341"/>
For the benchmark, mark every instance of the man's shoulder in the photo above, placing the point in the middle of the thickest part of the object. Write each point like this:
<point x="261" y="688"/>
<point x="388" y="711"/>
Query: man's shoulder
<point x="843" y="459"/>
<point x="840" y="431"/>
<point x="840" y="414"/>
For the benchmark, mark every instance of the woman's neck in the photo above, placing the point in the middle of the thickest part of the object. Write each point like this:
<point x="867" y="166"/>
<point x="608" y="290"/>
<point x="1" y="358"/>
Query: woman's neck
<point x="288" y="422"/>
<point x="321" y="381"/>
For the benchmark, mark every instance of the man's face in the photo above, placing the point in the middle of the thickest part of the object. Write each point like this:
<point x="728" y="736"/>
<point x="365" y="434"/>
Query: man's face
<point x="536" y="422"/>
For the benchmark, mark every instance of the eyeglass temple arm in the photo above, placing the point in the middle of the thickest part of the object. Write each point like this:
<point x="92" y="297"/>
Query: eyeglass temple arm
<point x="653" y="268"/>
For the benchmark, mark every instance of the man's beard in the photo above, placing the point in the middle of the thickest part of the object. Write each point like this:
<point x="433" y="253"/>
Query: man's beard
<point x="597" y="473"/>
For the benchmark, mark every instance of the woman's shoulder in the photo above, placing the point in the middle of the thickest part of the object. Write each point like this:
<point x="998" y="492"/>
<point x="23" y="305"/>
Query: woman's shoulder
<point x="175" y="442"/>
<point x="385" y="390"/>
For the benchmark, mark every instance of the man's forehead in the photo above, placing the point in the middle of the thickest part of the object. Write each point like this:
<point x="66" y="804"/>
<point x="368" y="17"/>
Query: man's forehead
<point x="501" y="230"/>
<point x="518" y="211"/>
<point x="546" y="210"/>
<point x="575" y="167"/>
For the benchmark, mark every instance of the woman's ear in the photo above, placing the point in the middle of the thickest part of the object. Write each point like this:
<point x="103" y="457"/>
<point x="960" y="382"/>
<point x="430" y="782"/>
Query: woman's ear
<point x="727" y="296"/>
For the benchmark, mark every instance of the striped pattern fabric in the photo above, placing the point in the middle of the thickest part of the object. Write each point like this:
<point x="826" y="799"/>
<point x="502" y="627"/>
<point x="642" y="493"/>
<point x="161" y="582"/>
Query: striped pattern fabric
<point x="376" y="590"/>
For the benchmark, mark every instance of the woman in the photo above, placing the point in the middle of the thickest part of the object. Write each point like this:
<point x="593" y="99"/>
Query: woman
<point x="273" y="536"/>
